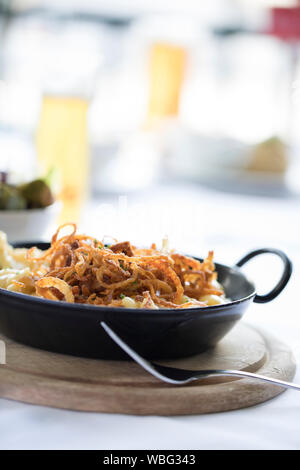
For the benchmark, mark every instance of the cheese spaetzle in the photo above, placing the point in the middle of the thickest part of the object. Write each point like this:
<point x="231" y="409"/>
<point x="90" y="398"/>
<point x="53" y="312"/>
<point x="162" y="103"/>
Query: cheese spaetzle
<point x="81" y="269"/>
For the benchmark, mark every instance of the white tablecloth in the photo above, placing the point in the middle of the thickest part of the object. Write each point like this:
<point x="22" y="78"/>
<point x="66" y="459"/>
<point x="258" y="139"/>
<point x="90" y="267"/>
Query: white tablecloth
<point x="232" y="226"/>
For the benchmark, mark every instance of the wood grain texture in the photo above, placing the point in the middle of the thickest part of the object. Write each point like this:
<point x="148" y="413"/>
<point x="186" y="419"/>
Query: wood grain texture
<point x="40" y="377"/>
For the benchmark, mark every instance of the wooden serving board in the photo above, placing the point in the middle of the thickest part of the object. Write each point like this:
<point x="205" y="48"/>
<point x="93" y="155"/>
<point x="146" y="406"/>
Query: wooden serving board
<point x="44" y="378"/>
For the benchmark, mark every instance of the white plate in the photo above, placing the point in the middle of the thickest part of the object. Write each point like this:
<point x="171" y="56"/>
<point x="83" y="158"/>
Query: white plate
<point x="29" y="224"/>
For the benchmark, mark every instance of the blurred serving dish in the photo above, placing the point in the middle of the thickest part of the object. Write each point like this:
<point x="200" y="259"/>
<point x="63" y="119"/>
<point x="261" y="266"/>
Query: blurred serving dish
<point x="29" y="224"/>
<point x="229" y="165"/>
<point x="27" y="211"/>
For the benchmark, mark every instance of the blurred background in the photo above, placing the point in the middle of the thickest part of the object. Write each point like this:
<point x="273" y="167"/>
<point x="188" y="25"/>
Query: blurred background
<point x="153" y="118"/>
<point x="157" y="117"/>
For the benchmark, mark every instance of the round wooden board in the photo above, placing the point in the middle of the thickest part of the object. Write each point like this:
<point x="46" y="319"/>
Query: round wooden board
<point x="44" y="378"/>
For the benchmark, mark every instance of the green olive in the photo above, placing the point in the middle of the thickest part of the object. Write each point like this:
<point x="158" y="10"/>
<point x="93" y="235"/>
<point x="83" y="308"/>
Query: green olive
<point x="37" y="194"/>
<point x="11" y="198"/>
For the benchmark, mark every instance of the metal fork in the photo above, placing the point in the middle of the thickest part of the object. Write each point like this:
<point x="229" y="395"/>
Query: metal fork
<point x="176" y="376"/>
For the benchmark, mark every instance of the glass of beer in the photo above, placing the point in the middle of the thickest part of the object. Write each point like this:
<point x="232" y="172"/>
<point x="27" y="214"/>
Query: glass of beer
<point x="62" y="144"/>
<point x="167" y="68"/>
<point x="70" y="68"/>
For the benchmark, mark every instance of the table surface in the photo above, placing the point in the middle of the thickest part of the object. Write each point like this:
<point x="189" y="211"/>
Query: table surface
<point x="195" y="220"/>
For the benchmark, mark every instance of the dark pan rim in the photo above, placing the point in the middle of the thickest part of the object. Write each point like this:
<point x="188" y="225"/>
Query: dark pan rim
<point x="67" y="306"/>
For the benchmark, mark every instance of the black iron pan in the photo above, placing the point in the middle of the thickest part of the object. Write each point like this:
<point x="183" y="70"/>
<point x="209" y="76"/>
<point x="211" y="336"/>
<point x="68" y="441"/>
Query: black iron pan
<point x="157" y="334"/>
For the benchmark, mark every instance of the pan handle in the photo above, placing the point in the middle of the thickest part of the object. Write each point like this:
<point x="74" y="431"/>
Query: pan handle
<point x="287" y="271"/>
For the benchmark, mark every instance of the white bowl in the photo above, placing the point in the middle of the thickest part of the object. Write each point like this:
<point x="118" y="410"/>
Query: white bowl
<point x="30" y="224"/>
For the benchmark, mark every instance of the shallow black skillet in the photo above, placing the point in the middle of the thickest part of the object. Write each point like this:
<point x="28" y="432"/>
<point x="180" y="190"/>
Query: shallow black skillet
<point x="75" y="328"/>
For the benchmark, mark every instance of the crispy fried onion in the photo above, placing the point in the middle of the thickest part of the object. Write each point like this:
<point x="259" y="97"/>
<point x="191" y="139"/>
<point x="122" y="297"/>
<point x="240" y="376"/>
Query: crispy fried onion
<point x="82" y="269"/>
<point x="54" y="289"/>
